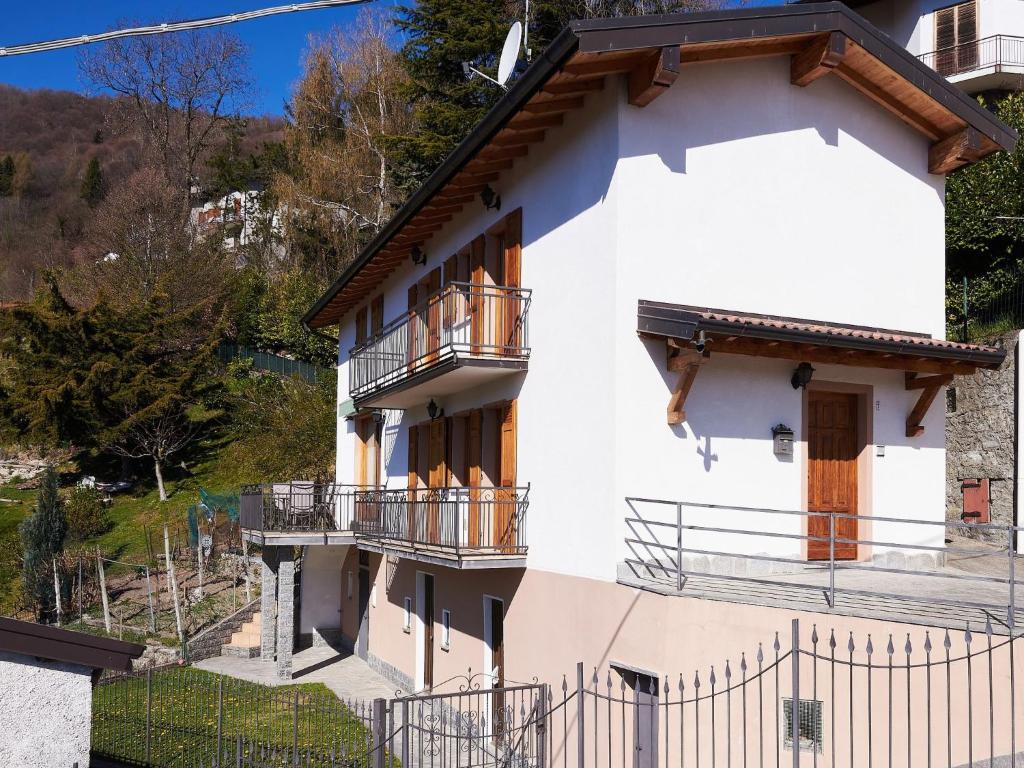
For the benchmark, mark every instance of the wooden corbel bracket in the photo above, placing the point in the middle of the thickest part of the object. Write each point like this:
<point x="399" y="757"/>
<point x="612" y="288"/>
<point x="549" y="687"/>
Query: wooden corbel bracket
<point x="929" y="386"/>
<point x="686" y="362"/>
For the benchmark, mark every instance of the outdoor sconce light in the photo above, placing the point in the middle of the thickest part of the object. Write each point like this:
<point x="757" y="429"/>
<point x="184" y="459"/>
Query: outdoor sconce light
<point x="417" y="255"/>
<point x="802" y="376"/>
<point x="782" y="440"/>
<point x="489" y="198"/>
<point x="379" y="417"/>
<point x="433" y="411"/>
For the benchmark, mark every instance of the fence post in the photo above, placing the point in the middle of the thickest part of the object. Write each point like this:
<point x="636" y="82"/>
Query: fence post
<point x="964" y="333"/>
<point x="149" y="712"/>
<point x="580" y="712"/>
<point x="149" y="598"/>
<point x="238" y="751"/>
<point x="406" y="730"/>
<point x="832" y="560"/>
<point x="220" y="718"/>
<point x="542" y="727"/>
<point x="81" y="587"/>
<point x="295" y="730"/>
<point x="679" y="547"/>
<point x="380" y="732"/>
<point x="795" y="712"/>
<point x="1011" y="530"/>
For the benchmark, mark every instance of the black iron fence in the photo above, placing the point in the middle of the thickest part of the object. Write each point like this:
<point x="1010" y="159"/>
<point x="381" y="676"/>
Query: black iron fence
<point x="998" y="314"/>
<point x="267" y="361"/>
<point x="461" y="520"/>
<point x="298" y="506"/>
<point x="995" y="52"/>
<point x="184" y="717"/>
<point x="461" y="319"/>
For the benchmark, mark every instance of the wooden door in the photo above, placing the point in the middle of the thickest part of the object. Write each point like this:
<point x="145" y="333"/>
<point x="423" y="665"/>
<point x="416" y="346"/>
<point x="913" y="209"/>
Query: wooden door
<point x="505" y="498"/>
<point x="510" y="340"/>
<point x="437" y="479"/>
<point x="645" y="721"/>
<point x="431" y="287"/>
<point x="413" y="484"/>
<point x="474" y="437"/>
<point x="832" y="447"/>
<point x="412" y="334"/>
<point x="428" y="631"/>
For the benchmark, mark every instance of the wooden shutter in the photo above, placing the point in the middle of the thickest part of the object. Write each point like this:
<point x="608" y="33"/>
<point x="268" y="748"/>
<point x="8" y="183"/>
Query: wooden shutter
<point x="474" y="446"/>
<point x="361" y="326"/>
<point x="956" y="29"/>
<point x="505" y="500"/>
<point x="438" y="478"/>
<point x="476" y="299"/>
<point x="411" y="351"/>
<point x="413" y="482"/>
<point x="510" y="333"/>
<point x="433" y="285"/>
<point x="377" y="315"/>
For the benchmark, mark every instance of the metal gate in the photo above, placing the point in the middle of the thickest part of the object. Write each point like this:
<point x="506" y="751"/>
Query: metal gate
<point x="474" y="726"/>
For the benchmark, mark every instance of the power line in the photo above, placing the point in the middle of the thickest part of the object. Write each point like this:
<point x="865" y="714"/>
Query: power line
<point x="173" y="26"/>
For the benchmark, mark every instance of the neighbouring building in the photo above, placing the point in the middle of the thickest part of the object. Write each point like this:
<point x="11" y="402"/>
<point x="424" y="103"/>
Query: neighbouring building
<point x="46" y="680"/>
<point x="673" y="310"/>
<point x="240" y="217"/>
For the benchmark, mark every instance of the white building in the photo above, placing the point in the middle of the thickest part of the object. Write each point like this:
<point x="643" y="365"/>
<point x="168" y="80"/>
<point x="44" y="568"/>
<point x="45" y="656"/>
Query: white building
<point x="240" y="217"/>
<point x="977" y="44"/>
<point x="510" y="376"/>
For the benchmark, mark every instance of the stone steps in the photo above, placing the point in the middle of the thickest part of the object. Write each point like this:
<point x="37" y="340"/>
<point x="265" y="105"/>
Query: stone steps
<point x="245" y="643"/>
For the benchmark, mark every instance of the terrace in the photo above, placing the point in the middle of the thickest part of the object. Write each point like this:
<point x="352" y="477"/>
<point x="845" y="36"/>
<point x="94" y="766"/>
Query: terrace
<point x="992" y="63"/>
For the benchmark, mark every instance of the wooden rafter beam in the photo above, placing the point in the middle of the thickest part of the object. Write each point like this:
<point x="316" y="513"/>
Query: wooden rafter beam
<point x="533" y="122"/>
<point x="676" y="412"/>
<point x="886" y="100"/>
<point x="517" y="138"/>
<point x="695" y="54"/>
<point x="538" y="107"/>
<point x="573" y="87"/>
<point x="504" y="153"/>
<point x="653" y="76"/>
<point x="603" y="66"/>
<point x="818" y="59"/>
<point x="929" y="386"/>
<point x="954" y="151"/>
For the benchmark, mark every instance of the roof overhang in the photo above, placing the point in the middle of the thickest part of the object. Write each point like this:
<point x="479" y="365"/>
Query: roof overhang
<point x="745" y="333"/>
<point x="826" y="38"/>
<point x="55" y="644"/>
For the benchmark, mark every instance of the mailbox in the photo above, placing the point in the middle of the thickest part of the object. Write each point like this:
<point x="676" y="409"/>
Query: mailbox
<point x="782" y="440"/>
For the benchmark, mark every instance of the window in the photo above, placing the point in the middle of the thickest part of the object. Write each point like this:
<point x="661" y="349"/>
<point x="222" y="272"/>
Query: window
<point x="446" y="629"/>
<point x="951" y="400"/>
<point x="407" y="616"/>
<point x="361" y="326"/>
<point x="956" y="35"/>
<point x="810" y="724"/>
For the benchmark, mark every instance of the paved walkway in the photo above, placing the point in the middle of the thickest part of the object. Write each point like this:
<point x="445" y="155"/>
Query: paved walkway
<point x="348" y="676"/>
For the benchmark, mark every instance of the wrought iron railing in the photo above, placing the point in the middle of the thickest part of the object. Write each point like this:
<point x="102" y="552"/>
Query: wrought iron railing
<point x="672" y="541"/>
<point x="460" y="520"/>
<point x="457" y="520"/>
<point x="298" y="507"/>
<point x="996" y="52"/>
<point x="461" y="319"/>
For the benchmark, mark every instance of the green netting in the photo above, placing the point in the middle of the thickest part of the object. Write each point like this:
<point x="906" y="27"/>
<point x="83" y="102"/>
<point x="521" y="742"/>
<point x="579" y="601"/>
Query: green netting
<point x="219" y="502"/>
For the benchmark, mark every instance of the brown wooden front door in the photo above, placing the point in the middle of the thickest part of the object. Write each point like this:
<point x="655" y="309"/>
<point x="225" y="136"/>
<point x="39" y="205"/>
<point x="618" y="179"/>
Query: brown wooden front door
<point x="832" y="448"/>
<point x="428" y="631"/>
<point x="498" y="667"/>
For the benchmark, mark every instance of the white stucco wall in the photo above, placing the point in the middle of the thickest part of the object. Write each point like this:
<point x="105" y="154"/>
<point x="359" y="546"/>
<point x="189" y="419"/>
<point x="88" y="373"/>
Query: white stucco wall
<point x="45" y="712"/>
<point x="735" y="190"/>
<point x="321" y="588"/>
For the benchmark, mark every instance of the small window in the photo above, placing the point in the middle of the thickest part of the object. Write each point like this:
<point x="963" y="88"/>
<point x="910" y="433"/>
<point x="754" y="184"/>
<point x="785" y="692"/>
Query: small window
<point x="446" y="629"/>
<point x="951" y="400"/>
<point x="407" y="616"/>
<point x="810" y="725"/>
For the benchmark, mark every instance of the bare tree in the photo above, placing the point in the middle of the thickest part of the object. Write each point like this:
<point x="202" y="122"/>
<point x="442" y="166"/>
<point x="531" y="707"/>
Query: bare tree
<point x="347" y="105"/>
<point x="157" y="438"/>
<point x="179" y="90"/>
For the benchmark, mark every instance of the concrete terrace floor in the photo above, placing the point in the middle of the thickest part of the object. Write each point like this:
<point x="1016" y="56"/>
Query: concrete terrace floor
<point x="344" y="673"/>
<point x="924" y="598"/>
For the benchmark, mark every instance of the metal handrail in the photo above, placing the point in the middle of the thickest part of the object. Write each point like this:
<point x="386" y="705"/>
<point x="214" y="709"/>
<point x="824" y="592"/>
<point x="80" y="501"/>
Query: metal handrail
<point x="459" y="319"/>
<point x="992" y="51"/>
<point x="641" y="533"/>
<point x="298" y="506"/>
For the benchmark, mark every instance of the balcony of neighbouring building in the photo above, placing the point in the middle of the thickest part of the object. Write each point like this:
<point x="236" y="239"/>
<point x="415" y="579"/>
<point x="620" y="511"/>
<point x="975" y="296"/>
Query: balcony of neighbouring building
<point x="993" y="63"/>
<point x="459" y="337"/>
<point x="298" y="513"/>
<point x="456" y="527"/>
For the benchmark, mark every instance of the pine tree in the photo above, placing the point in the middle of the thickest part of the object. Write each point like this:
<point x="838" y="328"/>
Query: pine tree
<point x="93" y="187"/>
<point x="42" y="539"/>
<point x="7" y="176"/>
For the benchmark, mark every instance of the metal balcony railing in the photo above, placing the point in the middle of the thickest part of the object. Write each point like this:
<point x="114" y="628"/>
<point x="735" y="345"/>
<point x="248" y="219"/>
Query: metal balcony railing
<point x="459" y="520"/>
<point x="996" y="51"/>
<point x="461" y="319"/>
<point x="298" y="507"/>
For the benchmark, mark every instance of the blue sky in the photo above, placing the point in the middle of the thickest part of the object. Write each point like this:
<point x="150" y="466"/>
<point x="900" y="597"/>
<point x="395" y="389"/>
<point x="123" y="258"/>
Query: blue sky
<point x="275" y="44"/>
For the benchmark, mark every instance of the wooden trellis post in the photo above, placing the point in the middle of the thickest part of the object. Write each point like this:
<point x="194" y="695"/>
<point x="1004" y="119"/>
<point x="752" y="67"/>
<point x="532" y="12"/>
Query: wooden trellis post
<point x="174" y="585"/>
<point x="103" y="590"/>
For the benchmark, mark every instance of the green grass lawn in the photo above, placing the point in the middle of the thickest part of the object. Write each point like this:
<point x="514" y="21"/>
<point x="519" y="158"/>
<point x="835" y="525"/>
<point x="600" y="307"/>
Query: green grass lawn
<point x="183" y="717"/>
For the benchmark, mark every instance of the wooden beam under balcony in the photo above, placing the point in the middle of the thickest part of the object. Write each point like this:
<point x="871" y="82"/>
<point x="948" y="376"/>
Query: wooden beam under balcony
<point x="655" y="75"/>
<point x="818" y="59"/>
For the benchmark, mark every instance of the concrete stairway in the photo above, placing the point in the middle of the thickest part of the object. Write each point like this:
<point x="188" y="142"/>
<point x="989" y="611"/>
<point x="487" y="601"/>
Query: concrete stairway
<point x="210" y="642"/>
<point x="245" y="643"/>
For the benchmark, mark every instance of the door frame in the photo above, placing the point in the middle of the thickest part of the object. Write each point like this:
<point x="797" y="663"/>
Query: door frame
<point x="421" y="626"/>
<point x="362" y="645"/>
<point x="866" y="406"/>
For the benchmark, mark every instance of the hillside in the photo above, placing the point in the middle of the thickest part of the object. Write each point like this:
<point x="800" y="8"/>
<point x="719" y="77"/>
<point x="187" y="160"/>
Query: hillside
<point x="52" y="136"/>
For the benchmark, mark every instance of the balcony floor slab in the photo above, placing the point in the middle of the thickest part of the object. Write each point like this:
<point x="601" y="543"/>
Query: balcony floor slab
<point x="464" y="559"/>
<point x="298" y="538"/>
<point x="451" y="374"/>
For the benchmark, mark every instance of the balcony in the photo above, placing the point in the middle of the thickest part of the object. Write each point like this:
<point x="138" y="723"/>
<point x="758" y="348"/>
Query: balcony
<point x="298" y="513"/>
<point x="992" y="63"/>
<point x="457" y="527"/>
<point x="459" y="337"/>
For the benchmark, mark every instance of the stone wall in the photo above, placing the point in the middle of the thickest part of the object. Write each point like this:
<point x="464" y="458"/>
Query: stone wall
<point x="45" y="712"/>
<point x="981" y="434"/>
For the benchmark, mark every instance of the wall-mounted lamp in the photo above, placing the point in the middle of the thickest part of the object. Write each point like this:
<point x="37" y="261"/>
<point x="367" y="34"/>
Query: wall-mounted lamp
<point x="379" y="417"/>
<point x="417" y="255"/>
<point x="802" y="376"/>
<point x="489" y="198"/>
<point x="433" y="411"/>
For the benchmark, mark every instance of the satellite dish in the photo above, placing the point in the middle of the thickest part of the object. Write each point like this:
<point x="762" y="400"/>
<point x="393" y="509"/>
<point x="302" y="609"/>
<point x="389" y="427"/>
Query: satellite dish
<point x="510" y="53"/>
